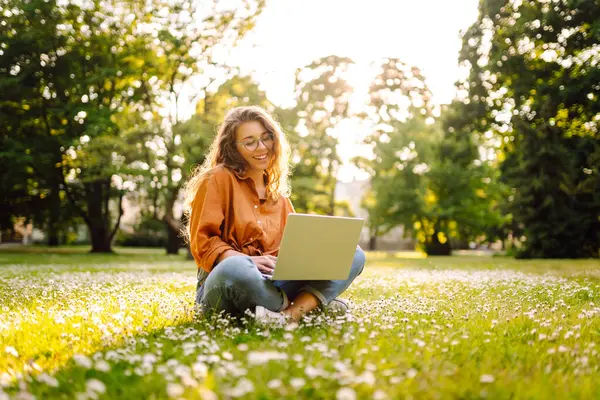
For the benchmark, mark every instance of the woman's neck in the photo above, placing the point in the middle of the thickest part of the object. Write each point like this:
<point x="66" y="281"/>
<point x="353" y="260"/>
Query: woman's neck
<point x="258" y="177"/>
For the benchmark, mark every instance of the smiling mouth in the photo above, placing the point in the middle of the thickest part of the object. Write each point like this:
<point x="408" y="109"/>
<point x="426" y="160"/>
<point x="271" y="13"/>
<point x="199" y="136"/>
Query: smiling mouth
<point x="261" y="158"/>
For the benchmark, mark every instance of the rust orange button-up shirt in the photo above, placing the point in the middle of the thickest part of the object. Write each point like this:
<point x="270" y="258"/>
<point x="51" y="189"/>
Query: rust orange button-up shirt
<point x="227" y="214"/>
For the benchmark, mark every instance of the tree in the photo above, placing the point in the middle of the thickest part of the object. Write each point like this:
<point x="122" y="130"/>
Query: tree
<point x="32" y="135"/>
<point x="69" y="70"/>
<point x="426" y="174"/>
<point x="399" y="194"/>
<point x="535" y="63"/>
<point x="322" y="101"/>
<point x="399" y="101"/>
<point x="186" y="37"/>
<point x="466" y="184"/>
<point x="194" y="137"/>
<point x="81" y="66"/>
<point x="98" y="80"/>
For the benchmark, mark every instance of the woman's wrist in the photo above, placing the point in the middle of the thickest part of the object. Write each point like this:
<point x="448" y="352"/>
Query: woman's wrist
<point x="227" y="254"/>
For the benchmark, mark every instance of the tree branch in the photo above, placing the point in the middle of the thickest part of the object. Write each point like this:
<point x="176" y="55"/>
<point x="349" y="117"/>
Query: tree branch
<point x="116" y="227"/>
<point x="106" y="190"/>
<point x="174" y="224"/>
<point x="72" y="200"/>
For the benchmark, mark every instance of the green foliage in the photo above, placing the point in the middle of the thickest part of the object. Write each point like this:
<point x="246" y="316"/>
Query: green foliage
<point x="149" y="232"/>
<point x="32" y="129"/>
<point x="235" y="92"/>
<point x="182" y="48"/>
<point x="536" y="82"/>
<point x="71" y="71"/>
<point x="426" y="175"/>
<point x="469" y="184"/>
<point x="322" y="101"/>
<point x="84" y="84"/>
<point x="184" y="53"/>
<point x="516" y="155"/>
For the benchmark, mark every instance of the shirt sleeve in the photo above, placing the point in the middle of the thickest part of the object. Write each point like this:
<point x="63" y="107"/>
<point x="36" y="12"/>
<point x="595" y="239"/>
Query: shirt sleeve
<point x="208" y="214"/>
<point x="289" y="206"/>
<point x="288" y="209"/>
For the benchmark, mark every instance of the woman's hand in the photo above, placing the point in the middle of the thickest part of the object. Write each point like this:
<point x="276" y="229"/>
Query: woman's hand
<point x="265" y="264"/>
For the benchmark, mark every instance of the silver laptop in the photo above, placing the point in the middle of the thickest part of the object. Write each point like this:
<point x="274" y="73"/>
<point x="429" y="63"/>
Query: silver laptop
<point x="317" y="247"/>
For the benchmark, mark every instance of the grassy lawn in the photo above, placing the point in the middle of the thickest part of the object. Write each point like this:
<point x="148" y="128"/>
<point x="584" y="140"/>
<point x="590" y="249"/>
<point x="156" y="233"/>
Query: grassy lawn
<point x="77" y="325"/>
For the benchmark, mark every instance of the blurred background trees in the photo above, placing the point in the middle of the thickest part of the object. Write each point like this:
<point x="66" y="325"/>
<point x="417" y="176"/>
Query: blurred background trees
<point x="535" y="78"/>
<point x="108" y="104"/>
<point x="84" y="82"/>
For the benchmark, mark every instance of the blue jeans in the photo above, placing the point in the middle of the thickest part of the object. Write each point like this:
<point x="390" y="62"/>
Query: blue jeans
<point x="236" y="285"/>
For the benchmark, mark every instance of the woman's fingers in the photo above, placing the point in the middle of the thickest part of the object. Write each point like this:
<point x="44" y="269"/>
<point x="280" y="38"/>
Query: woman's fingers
<point x="269" y="264"/>
<point x="265" y="269"/>
<point x="265" y="264"/>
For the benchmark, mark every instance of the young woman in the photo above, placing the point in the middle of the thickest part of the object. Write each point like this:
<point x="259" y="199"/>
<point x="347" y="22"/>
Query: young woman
<point x="237" y="204"/>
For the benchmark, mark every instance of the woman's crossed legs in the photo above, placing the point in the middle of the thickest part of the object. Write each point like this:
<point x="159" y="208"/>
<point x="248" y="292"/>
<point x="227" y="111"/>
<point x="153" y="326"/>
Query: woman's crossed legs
<point x="236" y="285"/>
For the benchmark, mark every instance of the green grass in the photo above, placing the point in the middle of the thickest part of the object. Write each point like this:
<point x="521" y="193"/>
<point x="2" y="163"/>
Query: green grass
<point x="74" y="324"/>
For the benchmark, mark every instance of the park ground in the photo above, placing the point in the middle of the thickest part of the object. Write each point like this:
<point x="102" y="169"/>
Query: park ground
<point x="77" y="325"/>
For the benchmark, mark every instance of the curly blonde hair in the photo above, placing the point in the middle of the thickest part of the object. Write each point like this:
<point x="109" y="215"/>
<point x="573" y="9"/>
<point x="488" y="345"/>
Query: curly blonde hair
<point x="223" y="151"/>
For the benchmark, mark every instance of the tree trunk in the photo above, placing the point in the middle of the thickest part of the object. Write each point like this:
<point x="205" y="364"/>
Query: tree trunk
<point x="96" y="198"/>
<point x="332" y="182"/>
<point x="434" y="247"/>
<point x="155" y="204"/>
<point x="172" y="225"/>
<point x="332" y="197"/>
<point x="173" y="241"/>
<point x="176" y="226"/>
<point x="98" y="217"/>
<point x="372" y="242"/>
<point x="64" y="236"/>
<point x="101" y="241"/>
<point x="54" y="216"/>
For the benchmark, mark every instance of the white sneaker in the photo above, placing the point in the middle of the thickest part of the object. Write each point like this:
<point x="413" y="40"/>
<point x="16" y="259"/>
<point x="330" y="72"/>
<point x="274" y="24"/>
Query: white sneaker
<point x="337" y="307"/>
<point x="267" y="317"/>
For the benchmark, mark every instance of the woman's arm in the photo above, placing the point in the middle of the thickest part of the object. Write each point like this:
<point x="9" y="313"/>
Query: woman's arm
<point x="207" y="216"/>
<point x="265" y="264"/>
<point x="227" y="254"/>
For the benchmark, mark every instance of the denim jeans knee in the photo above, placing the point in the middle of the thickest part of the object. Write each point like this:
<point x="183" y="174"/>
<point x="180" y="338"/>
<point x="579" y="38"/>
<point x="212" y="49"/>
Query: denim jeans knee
<point x="358" y="264"/>
<point x="235" y="285"/>
<point x="326" y="291"/>
<point x="231" y="271"/>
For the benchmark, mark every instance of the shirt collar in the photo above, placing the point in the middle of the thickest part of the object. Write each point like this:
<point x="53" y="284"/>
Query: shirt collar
<point x="242" y="177"/>
<point x="248" y="179"/>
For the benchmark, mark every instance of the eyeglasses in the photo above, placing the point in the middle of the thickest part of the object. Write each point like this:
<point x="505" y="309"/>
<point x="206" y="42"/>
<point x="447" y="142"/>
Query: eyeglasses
<point x="252" y="144"/>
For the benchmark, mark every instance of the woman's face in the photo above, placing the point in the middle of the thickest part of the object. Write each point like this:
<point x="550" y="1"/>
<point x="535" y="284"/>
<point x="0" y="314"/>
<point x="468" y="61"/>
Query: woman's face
<point x="255" y="144"/>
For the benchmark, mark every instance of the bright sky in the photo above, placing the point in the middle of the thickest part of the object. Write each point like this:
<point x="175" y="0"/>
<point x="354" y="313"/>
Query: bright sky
<point x="291" y="34"/>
